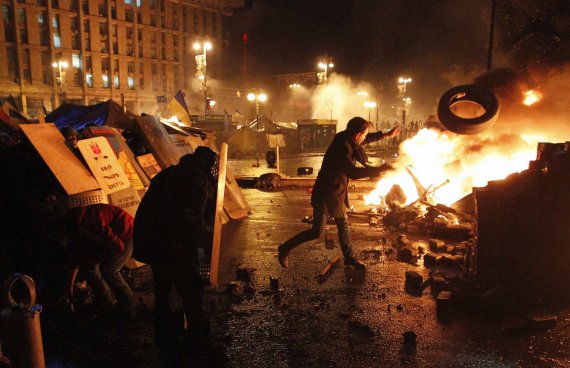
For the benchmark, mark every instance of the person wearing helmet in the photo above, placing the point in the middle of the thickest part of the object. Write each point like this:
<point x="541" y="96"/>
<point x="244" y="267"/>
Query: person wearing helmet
<point x="173" y="225"/>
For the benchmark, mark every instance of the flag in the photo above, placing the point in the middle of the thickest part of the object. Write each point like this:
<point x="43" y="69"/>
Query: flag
<point x="177" y="107"/>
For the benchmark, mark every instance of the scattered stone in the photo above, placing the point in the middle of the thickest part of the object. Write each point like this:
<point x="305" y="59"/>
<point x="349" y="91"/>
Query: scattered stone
<point x="421" y="249"/>
<point x="373" y="221"/>
<point x="430" y="259"/>
<point x="437" y="245"/>
<point x="405" y="254"/>
<point x="449" y="249"/>
<point x="443" y="300"/>
<point x="438" y="284"/>
<point x="402" y="240"/>
<point x="457" y="259"/>
<point x="540" y="322"/>
<point x="413" y="279"/>
<point x="247" y="275"/>
<point x="399" y="307"/>
<point x="236" y="288"/>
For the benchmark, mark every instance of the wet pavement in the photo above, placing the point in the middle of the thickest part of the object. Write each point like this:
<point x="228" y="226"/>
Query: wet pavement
<point x="348" y="319"/>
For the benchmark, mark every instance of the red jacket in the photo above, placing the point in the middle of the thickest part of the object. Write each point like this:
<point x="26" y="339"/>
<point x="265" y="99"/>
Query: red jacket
<point x="101" y="227"/>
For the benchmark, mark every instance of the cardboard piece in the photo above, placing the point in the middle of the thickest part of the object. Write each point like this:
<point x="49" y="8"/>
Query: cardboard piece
<point x="101" y="160"/>
<point x="139" y="180"/>
<point x="73" y="176"/>
<point x="127" y="199"/>
<point x="149" y="164"/>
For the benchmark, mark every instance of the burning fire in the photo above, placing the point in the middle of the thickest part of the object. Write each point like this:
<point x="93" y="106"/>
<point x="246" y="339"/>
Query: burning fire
<point x="531" y="97"/>
<point x="466" y="161"/>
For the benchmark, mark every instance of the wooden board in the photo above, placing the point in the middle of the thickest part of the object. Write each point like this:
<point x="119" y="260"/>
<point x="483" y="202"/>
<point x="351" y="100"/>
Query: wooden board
<point x="73" y="176"/>
<point x="235" y="203"/>
<point x="103" y="164"/>
<point x="214" y="263"/>
<point x="157" y="140"/>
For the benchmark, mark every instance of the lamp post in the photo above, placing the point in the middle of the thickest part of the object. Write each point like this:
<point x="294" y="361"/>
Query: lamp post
<point x="294" y="87"/>
<point x="325" y="65"/>
<point x="402" y="84"/>
<point x="370" y="105"/>
<point x="60" y="67"/>
<point x="201" y="66"/>
<point x="257" y="98"/>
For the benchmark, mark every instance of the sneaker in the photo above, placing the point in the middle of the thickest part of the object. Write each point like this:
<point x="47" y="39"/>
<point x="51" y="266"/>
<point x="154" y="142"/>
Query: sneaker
<point x="352" y="261"/>
<point x="283" y="256"/>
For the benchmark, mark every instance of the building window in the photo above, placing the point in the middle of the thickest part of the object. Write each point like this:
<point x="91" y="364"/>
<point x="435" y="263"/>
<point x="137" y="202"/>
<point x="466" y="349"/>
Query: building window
<point x="25" y="65"/>
<point x="43" y="28"/>
<point x="76" y="61"/>
<point x="88" y="74"/>
<point x="56" y="41"/>
<point x="128" y="2"/>
<point x="105" y="78"/>
<point x="46" y="67"/>
<point x="131" y="82"/>
<point x="55" y="21"/>
<point x="116" y="80"/>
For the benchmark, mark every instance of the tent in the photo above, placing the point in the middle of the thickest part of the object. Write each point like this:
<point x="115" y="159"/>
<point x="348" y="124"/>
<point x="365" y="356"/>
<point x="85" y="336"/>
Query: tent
<point x="106" y="113"/>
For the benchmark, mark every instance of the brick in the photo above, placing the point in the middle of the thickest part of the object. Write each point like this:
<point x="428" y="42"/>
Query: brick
<point x="413" y="279"/>
<point x="436" y="245"/>
<point x="443" y="300"/>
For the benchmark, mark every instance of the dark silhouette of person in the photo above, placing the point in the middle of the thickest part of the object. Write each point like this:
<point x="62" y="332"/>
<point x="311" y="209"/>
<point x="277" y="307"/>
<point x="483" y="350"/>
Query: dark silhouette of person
<point x="98" y="238"/>
<point x="330" y="192"/>
<point x="173" y="226"/>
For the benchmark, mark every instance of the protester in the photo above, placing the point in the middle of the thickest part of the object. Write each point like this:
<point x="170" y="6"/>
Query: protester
<point x="98" y="239"/>
<point x="330" y="192"/>
<point x="173" y="226"/>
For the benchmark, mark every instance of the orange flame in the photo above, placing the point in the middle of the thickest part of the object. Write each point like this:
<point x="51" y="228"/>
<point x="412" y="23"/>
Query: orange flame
<point x="531" y="97"/>
<point x="466" y="161"/>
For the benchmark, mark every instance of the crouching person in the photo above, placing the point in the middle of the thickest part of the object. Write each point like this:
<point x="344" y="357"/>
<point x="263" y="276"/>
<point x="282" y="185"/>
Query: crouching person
<point x="98" y="239"/>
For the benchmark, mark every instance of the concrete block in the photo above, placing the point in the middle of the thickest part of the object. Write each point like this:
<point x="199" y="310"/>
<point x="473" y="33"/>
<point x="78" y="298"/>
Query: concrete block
<point x="403" y="241"/>
<point x="413" y="279"/>
<point x="436" y="245"/>
<point x="443" y="300"/>
<point x="430" y="259"/>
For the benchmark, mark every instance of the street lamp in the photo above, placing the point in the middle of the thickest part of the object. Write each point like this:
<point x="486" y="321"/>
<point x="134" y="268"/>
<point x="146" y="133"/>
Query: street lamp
<point x="325" y="65"/>
<point x="201" y="66"/>
<point x="369" y="105"/>
<point x="402" y="83"/>
<point x="257" y="98"/>
<point x="60" y="67"/>
<point x="294" y="87"/>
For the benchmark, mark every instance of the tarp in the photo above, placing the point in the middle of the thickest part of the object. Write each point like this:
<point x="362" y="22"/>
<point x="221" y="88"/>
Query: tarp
<point x="76" y="116"/>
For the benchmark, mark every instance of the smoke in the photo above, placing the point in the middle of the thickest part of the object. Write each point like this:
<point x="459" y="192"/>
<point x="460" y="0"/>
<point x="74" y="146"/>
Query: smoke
<point x="339" y="99"/>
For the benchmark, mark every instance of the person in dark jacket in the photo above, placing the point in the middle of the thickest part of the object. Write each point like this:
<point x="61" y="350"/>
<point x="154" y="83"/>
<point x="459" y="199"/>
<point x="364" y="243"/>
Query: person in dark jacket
<point x="173" y="227"/>
<point x="330" y="194"/>
<point x="98" y="238"/>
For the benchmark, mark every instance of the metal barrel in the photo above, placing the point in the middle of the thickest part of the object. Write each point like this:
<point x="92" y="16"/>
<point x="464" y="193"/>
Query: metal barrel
<point x="22" y="323"/>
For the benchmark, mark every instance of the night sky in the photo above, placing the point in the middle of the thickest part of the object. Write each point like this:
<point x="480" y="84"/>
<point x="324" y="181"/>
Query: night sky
<point x="439" y="43"/>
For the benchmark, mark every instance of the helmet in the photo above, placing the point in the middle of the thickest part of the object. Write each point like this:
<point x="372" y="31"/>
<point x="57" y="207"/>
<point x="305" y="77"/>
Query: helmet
<point x="208" y="158"/>
<point x="68" y="132"/>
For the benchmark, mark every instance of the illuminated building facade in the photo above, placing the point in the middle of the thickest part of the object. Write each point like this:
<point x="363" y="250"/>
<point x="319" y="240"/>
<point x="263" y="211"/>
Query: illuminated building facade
<point x="87" y="51"/>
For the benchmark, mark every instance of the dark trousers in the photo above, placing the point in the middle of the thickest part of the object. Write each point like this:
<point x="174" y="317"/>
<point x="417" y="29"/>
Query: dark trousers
<point x="179" y="272"/>
<point x="106" y="276"/>
<point x="315" y="232"/>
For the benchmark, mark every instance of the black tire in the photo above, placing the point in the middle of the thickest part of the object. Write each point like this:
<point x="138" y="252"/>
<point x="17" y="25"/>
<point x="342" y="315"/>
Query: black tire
<point x="468" y="93"/>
